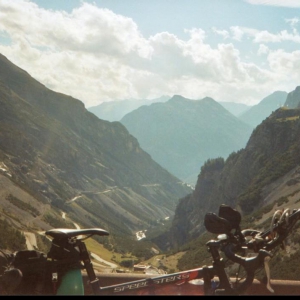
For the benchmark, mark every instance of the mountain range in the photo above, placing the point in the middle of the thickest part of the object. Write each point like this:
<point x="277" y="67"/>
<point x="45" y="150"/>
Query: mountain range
<point x="256" y="179"/>
<point x="116" y="110"/>
<point x="61" y="165"/>
<point x="180" y="147"/>
<point x="257" y="113"/>
<point x="181" y="134"/>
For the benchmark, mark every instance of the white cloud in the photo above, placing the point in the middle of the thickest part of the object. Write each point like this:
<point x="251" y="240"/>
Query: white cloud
<point x="237" y="33"/>
<point x="284" y="3"/>
<point x="293" y="21"/>
<point x="264" y="36"/>
<point x="96" y="55"/>
<point x="223" y="33"/>
<point x="87" y="28"/>
<point x="287" y="64"/>
<point x="263" y="49"/>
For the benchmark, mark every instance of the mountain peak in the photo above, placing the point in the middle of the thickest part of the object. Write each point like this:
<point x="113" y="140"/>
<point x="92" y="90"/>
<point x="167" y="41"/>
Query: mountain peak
<point x="208" y="99"/>
<point x="177" y="98"/>
<point x="293" y="98"/>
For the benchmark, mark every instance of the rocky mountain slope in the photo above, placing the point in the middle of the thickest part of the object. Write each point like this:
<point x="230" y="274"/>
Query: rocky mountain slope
<point x="247" y="179"/>
<point x="181" y="134"/>
<point x="58" y="159"/>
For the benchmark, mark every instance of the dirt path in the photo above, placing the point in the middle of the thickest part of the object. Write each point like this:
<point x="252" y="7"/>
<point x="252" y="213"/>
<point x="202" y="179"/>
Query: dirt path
<point x="30" y="241"/>
<point x="98" y="258"/>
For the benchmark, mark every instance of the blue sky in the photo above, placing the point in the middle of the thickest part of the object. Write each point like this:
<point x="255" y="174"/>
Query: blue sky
<point x="105" y="50"/>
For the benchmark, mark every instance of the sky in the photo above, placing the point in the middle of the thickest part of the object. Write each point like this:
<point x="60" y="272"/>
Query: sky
<point x="104" y="50"/>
